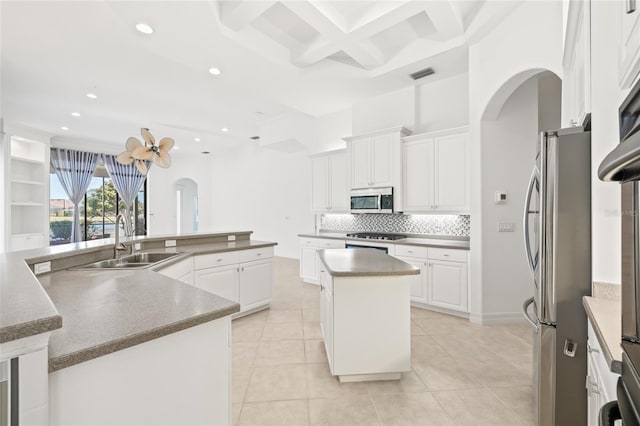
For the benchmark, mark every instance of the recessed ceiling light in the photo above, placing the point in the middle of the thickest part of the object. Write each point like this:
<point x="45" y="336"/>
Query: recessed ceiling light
<point x="75" y="114"/>
<point x="197" y="139"/>
<point x="144" y="28"/>
<point x="215" y="71"/>
<point x="224" y="129"/>
<point x="92" y="96"/>
<point x="64" y="128"/>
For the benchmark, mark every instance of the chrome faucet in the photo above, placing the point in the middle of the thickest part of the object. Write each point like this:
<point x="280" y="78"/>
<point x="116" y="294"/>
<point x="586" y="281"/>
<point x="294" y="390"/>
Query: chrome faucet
<point x="118" y="245"/>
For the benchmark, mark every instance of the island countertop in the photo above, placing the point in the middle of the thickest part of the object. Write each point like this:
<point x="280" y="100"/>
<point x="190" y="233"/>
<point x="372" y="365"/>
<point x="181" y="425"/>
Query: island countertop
<point x="363" y="262"/>
<point x="103" y="311"/>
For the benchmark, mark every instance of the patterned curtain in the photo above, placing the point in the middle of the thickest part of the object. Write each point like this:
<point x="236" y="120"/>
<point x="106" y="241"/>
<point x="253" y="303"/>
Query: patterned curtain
<point x="128" y="181"/>
<point x="74" y="170"/>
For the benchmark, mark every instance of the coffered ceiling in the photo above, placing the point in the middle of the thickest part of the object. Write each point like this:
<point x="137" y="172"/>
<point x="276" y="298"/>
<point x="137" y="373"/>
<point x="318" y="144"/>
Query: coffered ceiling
<point x="275" y="57"/>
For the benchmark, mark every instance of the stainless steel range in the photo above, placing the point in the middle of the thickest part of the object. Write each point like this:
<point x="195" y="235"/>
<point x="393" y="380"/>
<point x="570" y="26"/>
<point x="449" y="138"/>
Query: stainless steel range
<point x="376" y="236"/>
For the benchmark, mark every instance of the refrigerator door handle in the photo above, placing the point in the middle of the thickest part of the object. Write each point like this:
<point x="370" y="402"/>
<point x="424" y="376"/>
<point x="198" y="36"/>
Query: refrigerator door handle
<point x="525" y="312"/>
<point x="525" y="221"/>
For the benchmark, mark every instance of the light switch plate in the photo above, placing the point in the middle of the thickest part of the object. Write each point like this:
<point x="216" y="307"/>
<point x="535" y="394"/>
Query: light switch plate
<point x="170" y="243"/>
<point x="41" y="268"/>
<point x="506" y="227"/>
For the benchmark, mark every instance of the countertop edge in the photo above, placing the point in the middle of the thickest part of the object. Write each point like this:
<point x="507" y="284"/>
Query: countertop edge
<point x="614" y="365"/>
<point x="31" y="328"/>
<point x="455" y="244"/>
<point x="87" y="354"/>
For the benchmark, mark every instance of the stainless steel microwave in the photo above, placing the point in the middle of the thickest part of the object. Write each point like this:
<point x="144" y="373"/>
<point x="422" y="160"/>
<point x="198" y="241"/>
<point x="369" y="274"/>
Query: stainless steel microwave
<point x="372" y="200"/>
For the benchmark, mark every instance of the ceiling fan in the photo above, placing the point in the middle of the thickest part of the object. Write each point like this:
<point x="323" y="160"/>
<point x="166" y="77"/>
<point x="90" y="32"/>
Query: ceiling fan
<point x="149" y="151"/>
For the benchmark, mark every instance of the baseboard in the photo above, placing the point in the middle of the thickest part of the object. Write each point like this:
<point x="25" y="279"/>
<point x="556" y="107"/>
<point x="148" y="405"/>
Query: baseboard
<point x="441" y="310"/>
<point x="498" y="318"/>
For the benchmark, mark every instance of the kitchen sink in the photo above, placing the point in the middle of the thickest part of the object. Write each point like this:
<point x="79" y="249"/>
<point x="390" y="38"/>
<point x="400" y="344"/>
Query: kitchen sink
<point x="132" y="261"/>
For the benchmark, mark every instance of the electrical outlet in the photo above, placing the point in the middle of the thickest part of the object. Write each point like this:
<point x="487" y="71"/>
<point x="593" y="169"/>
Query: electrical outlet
<point x="170" y="243"/>
<point x="506" y="227"/>
<point x="41" y="268"/>
<point x="231" y="238"/>
<point x="137" y="246"/>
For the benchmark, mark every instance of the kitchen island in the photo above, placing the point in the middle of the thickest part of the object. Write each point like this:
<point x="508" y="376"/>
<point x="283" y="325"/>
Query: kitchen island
<point x="365" y="313"/>
<point x="137" y="346"/>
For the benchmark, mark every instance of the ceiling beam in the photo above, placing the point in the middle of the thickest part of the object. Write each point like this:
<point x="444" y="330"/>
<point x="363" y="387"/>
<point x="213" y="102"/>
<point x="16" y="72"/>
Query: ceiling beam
<point x="238" y="14"/>
<point x="445" y="17"/>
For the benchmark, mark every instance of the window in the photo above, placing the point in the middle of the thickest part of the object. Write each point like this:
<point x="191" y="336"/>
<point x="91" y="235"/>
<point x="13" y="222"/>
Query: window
<point x="98" y="211"/>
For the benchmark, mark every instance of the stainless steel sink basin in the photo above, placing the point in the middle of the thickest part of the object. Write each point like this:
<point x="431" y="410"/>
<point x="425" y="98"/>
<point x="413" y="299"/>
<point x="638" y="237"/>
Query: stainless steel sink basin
<point x="132" y="261"/>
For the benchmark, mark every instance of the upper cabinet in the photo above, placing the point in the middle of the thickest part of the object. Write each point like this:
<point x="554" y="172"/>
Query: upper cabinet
<point x="329" y="190"/>
<point x="576" y="63"/>
<point x="436" y="172"/>
<point x="376" y="160"/>
<point x="630" y="43"/>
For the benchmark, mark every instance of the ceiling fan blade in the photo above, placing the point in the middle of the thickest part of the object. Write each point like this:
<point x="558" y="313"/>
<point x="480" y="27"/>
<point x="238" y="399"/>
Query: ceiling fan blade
<point x="166" y="144"/>
<point x="142" y="167"/>
<point x="133" y="143"/>
<point x="162" y="159"/>
<point x="147" y="136"/>
<point x="125" y="158"/>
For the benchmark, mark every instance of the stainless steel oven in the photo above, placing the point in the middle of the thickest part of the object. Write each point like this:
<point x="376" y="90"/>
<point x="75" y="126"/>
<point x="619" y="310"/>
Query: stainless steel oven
<point x="372" y="200"/>
<point x="623" y="165"/>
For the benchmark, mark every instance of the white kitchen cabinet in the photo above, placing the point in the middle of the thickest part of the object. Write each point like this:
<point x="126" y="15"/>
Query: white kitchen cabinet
<point x="27" y="193"/>
<point x="376" y="160"/>
<point x="329" y="190"/>
<point x="255" y="282"/>
<point x="309" y="264"/>
<point x="223" y="281"/>
<point x="600" y="382"/>
<point x="326" y="314"/>
<point x="443" y="281"/>
<point x="435" y="172"/>
<point x="576" y="63"/>
<point x="448" y="285"/>
<point x="244" y="276"/>
<point x="629" y="66"/>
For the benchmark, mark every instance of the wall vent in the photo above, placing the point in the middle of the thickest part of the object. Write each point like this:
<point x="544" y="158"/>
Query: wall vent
<point x="422" y="73"/>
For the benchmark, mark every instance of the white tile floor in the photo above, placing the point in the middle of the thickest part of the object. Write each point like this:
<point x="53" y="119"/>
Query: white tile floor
<point x="462" y="374"/>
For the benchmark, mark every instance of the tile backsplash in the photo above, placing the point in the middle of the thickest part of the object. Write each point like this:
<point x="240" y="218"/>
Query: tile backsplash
<point x="454" y="225"/>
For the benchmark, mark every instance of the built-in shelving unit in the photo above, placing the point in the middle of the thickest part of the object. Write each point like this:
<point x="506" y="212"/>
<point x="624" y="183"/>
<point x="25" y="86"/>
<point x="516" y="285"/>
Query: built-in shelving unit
<point x="27" y="193"/>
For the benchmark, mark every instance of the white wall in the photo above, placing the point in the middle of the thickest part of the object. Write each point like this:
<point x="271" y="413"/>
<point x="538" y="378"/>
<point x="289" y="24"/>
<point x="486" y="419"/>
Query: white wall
<point x="262" y="190"/>
<point x="606" y="97"/>
<point x="443" y="104"/>
<point x="438" y="105"/>
<point x="330" y="129"/>
<point x="526" y="42"/>
<point x="161" y="209"/>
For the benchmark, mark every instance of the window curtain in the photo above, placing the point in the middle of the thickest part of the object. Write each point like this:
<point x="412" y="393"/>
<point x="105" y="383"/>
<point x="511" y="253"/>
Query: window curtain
<point x="74" y="170"/>
<point x="128" y="181"/>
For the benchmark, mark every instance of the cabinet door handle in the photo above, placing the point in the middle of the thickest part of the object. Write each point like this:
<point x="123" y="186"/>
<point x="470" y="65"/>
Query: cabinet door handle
<point x="219" y="260"/>
<point x="321" y="288"/>
<point x="258" y="254"/>
<point x="631" y="6"/>
<point x="591" y="349"/>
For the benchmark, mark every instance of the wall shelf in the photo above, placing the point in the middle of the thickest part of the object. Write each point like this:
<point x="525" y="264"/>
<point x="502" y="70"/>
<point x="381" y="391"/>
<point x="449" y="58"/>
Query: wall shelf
<point x="26" y="160"/>
<point x="27" y="182"/>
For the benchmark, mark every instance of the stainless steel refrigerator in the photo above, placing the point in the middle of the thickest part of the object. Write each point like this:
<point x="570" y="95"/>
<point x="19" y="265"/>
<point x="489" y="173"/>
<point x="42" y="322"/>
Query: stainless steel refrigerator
<point x="557" y="230"/>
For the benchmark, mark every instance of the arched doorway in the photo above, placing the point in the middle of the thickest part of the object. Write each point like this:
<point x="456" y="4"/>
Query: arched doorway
<point x="186" y="193"/>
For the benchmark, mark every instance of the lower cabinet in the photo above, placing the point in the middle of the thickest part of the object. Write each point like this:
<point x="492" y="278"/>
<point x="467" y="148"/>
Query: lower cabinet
<point x="326" y="315"/>
<point x="443" y="281"/>
<point x="600" y="382"/>
<point x="309" y="264"/>
<point x="448" y="285"/>
<point x="239" y="277"/>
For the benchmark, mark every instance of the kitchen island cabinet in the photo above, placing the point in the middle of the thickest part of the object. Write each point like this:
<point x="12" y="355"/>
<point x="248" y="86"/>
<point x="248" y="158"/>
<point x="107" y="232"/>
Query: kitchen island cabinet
<point x="365" y="313"/>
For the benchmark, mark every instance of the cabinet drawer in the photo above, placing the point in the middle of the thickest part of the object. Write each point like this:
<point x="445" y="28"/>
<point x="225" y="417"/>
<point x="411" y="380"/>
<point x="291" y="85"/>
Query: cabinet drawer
<point x="330" y="244"/>
<point x="26" y="242"/>
<point x="212" y="260"/>
<point x="308" y="242"/>
<point x="255" y="254"/>
<point x="447" y="254"/>
<point x="412" y="251"/>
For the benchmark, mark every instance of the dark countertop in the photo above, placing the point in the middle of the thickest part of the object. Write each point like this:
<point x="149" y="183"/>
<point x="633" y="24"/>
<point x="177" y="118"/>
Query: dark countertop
<point x="363" y="263"/>
<point x="461" y="243"/>
<point x="103" y="311"/>
<point x="605" y="316"/>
